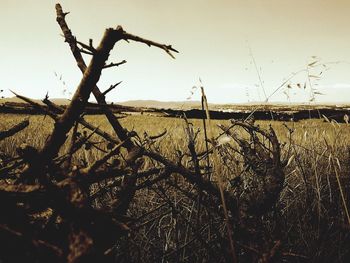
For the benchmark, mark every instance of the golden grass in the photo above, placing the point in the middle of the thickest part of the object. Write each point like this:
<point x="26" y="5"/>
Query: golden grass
<point x="312" y="140"/>
<point x="317" y="188"/>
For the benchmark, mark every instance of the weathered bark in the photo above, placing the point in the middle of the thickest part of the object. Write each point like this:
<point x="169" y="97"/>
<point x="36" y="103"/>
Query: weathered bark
<point x="83" y="122"/>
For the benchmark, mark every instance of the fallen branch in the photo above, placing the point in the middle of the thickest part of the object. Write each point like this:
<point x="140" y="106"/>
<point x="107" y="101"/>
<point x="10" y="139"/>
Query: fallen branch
<point x="15" y="129"/>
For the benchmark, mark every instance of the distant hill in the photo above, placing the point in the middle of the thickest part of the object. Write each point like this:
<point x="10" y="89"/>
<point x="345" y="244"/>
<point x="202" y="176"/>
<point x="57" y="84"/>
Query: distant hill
<point x="131" y="103"/>
<point x="187" y="105"/>
<point x="58" y="101"/>
<point x="161" y="104"/>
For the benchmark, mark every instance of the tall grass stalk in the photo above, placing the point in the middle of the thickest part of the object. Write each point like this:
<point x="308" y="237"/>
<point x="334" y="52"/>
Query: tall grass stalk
<point x="341" y="190"/>
<point x="220" y="183"/>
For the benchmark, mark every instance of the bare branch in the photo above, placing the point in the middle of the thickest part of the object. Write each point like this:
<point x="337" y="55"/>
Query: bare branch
<point x="37" y="106"/>
<point x="192" y="177"/>
<point x="111" y="88"/>
<point x="105" y="158"/>
<point x="166" y="48"/>
<point x="71" y="40"/>
<point x="13" y="130"/>
<point x="158" y="135"/>
<point x="71" y="146"/>
<point x="87" y="47"/>
<point x="114" y="64"/>
<point x="86" y="52"/>
<point x="110" y="38"/>
<point x="87" y="125"/>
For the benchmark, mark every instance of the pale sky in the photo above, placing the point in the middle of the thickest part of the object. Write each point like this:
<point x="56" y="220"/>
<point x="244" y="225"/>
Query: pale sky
<point x="214" y="38"/>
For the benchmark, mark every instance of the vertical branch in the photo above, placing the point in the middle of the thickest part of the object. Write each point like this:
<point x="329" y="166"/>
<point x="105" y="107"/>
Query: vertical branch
<point x="100" y="98"/>
<point x="68" y="162"/>
<point x="207" y="167"/>
<point x="90" y="78"/>
<point x="192" y="147"/>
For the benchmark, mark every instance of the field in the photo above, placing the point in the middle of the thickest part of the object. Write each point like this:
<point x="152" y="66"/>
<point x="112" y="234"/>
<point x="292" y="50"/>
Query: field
<point x="308" y="223"/>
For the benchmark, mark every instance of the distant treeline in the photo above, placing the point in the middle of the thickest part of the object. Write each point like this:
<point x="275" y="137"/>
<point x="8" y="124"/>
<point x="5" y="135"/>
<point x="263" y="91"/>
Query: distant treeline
<point x="332" y="114"/>
<point x="280" y="115"/>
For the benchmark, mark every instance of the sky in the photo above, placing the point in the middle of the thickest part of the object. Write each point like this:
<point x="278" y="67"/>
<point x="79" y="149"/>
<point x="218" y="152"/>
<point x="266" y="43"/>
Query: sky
<point x="241" y="50"/>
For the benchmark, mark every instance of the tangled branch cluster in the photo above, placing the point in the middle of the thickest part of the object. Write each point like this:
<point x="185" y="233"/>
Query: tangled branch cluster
<point x="50" y="201"/>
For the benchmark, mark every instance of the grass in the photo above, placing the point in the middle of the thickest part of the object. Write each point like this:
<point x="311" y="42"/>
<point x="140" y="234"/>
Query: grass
<point x="310" y="219"/>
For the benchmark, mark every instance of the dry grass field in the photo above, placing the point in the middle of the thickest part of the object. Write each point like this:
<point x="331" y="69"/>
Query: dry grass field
<point x="310" y="220"/>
